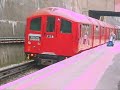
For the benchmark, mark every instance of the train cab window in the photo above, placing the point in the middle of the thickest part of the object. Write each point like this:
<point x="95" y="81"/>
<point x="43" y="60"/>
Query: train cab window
<point x="35" y="24"/>
<point x="50" y="24"/>
<point x="66" y="26"/>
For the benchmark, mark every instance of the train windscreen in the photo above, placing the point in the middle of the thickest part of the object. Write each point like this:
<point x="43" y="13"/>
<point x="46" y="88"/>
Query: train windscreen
<point x="50" y="24"/>
<point x="35" y="24"/>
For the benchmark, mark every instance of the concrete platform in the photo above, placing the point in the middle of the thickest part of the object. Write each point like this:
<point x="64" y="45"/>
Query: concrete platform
<point x="84" y="71"/>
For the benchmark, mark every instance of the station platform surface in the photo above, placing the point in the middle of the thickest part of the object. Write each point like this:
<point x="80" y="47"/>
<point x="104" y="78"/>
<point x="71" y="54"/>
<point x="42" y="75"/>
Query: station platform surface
<point x="94" y="69"/>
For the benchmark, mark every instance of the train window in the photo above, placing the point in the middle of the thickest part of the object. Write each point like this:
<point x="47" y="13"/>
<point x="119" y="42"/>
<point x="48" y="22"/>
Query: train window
<point x="97" y="28"/>
<point x="50" y="24"/>
<point x="66" y="26"/>
<point x="96" y="32"/>
<point x="103" y="30"/>
<point x="35" y="24"/>
<point x="83" y="27"/>
<point x="86" y="28"/>
<point x="111" y="30"/>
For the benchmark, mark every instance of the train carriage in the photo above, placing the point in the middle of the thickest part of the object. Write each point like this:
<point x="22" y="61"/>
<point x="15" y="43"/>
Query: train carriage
<point x="95" y="32"/>
<point x="117" y="31"/>
<point x="57" y="33"/>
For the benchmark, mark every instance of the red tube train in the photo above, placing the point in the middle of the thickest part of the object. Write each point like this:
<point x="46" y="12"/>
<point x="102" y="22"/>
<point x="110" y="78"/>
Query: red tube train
<point x="54" y="33"/>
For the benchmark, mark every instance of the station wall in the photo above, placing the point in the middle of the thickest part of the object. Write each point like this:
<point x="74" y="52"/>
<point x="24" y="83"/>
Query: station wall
<point x="11" y="54"/>
<point x="13" y="13"/>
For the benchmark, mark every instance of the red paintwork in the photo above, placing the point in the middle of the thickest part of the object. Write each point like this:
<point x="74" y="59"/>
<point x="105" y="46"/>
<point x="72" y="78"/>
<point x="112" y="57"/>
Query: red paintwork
<point x="63" y="44"/>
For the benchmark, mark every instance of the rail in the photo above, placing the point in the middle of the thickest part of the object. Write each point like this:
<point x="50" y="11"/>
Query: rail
<point x="16" y="69"/>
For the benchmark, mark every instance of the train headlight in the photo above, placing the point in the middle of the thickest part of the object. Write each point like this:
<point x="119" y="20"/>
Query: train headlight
<point x="38" y="43"/>
<point x="29" y="42"/>
<point x="32" y="55"/>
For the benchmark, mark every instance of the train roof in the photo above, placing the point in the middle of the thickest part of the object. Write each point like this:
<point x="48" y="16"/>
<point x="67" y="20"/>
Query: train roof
<point x="70" y="15"/>
<point x="94" y="21"/>
<point x="101" y="23"/>
<point x="109" y="25"/>
<point x="117" y="27"/>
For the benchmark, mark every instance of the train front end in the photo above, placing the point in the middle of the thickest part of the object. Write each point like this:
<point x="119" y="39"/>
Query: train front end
<point x="48" y="37"/>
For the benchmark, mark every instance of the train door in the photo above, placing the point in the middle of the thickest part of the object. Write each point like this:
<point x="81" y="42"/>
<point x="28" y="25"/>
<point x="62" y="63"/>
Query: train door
<point x="79" y="38"/>
<point x="102" y="35"/>
<point x="117" y="34"/>
<point x="49" y="35"/>
<point x="34" y="34"/>
<point x="107" y="34"/>
<point x="96" y="35"/>
<point x="65" y="37"/>
<point x="86" y="36"/>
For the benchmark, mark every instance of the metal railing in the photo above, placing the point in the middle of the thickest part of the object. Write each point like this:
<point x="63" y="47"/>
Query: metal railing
<point x="11" y="39"/>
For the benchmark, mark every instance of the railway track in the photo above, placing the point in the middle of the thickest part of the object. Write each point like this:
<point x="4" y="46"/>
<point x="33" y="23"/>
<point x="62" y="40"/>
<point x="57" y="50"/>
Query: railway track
<point x="6" y="73"/>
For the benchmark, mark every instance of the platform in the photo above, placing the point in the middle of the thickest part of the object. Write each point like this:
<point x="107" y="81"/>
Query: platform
<point x="84" y="71"/>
